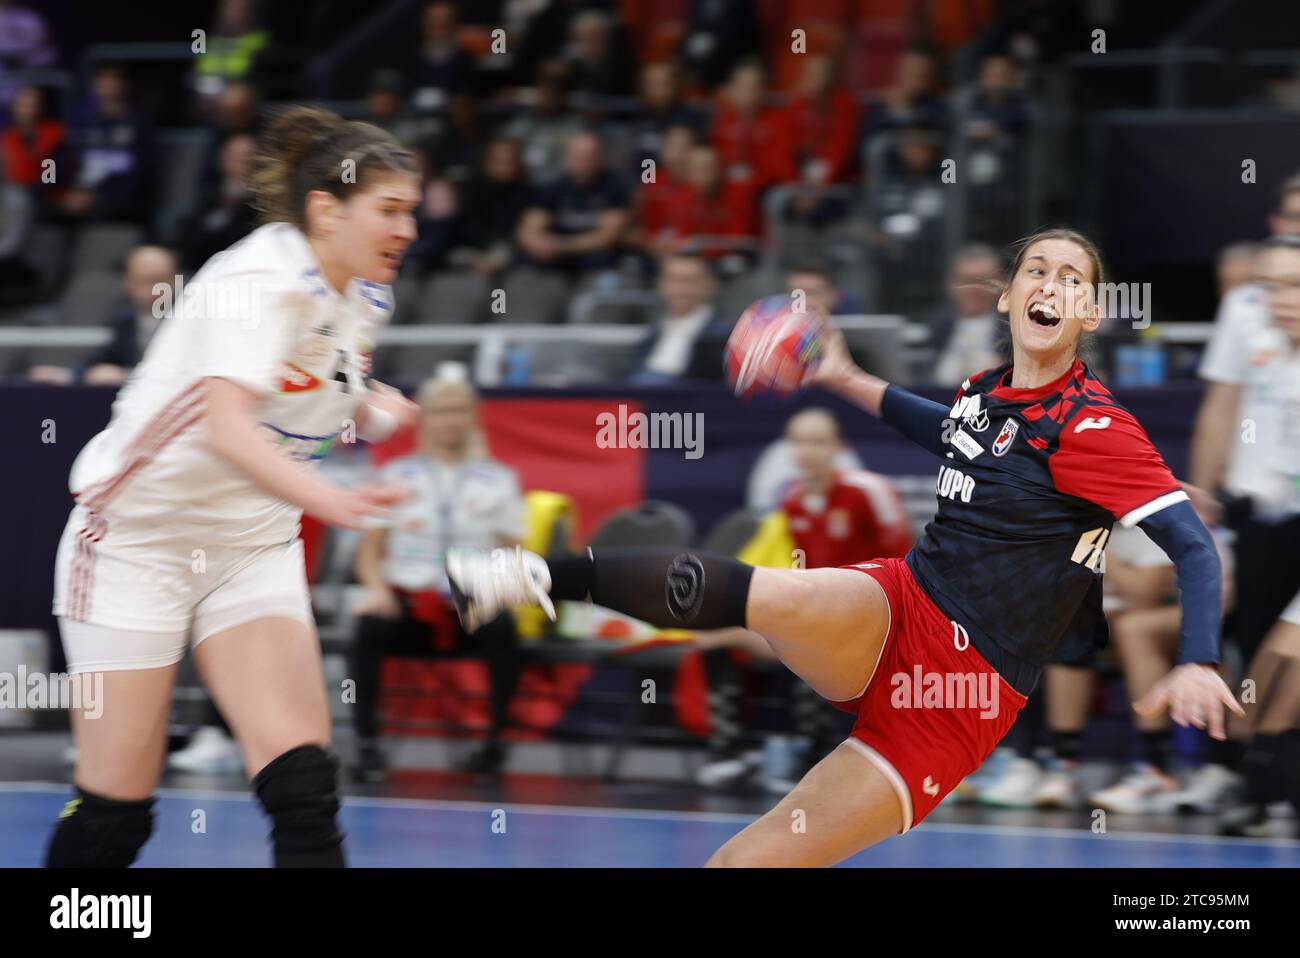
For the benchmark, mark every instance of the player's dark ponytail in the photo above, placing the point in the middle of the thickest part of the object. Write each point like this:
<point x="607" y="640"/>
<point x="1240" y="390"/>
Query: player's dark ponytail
<point x="307" y="149"/>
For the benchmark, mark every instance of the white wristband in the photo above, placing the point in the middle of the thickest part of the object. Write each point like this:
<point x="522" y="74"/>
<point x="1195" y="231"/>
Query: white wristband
<point x="380" y="424"/>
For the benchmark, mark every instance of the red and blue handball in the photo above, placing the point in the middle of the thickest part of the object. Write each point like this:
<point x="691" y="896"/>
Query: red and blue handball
<point x="776" y="345"/>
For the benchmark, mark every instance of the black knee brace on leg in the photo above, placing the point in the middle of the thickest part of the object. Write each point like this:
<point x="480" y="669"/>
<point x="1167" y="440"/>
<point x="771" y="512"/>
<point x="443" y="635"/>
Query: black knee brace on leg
<point x="299" y="790"/>
<point x="98" y="832"/>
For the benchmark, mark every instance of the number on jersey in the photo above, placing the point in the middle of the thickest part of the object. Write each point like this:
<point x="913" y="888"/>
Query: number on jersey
<point x="1091" y="549"/>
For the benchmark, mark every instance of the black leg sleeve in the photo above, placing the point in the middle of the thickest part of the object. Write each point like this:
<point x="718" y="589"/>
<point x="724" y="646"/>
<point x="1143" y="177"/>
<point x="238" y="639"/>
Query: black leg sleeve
<point x="669" y="588"/>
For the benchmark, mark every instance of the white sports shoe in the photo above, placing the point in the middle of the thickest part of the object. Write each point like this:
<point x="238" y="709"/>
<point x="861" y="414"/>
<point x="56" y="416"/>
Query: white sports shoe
<point x="1208" y="789"/>
<point x="485" y="584"/>
<point x="210" y="751"/>
<point x="1137" y="793"/>
<point x="1015" y="787"/>
<point x="1059" y="787"/>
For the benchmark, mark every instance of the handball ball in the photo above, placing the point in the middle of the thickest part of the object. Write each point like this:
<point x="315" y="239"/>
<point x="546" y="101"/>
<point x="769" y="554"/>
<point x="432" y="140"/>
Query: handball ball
<point x="774" y="349"/>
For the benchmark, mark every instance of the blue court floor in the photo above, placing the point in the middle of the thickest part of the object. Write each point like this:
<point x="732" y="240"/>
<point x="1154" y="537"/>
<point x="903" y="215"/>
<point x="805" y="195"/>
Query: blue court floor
<point x="220" y="829"/>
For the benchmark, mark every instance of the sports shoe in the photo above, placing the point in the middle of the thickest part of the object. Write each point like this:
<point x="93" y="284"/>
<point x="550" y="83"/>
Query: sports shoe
<point x="1059" y="788"/>
<point x="1208" y="789"/>
<point x="724" y="771"/>
<point x="1015" y="787"/>
<point x="1254" y="820"/>
<point x="210" y="752"/>
<point x="1136" y="793"/>
<point x="485" y="584"/>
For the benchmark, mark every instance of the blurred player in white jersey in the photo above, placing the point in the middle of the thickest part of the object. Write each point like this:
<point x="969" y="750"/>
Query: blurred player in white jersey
<point x="185" y="531"/>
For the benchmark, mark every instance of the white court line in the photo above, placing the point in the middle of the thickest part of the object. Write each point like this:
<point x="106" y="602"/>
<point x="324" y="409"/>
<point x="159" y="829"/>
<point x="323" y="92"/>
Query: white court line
<point x="579" y="811"/>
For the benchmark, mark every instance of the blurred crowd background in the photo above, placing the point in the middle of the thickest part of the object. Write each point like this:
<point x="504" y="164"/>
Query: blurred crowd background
<point x="654" y="164"/>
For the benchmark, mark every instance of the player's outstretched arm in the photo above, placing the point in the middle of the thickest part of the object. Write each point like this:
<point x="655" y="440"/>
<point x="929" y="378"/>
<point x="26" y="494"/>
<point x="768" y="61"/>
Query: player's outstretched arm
<point x="1193" y="692"/>
<point x="921" y="420"/>
<point x="233" y="433"/>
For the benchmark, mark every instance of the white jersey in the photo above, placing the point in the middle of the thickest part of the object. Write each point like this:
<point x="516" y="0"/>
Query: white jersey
<point x="472" y="504"/>
<point x="1246" y="349"/>
<point x="259" y="314"/>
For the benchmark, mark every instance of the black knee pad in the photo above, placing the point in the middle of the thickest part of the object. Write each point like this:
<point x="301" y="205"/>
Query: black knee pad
<point x="98" y="832"/>
<point x="299" y="790"/>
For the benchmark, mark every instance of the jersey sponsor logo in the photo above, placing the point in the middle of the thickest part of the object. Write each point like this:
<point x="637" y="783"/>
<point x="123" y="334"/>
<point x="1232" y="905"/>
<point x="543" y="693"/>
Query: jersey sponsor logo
<point x="1091" y="423"/>
<point x="930" y="786"/>
<point x="294" y="379"/>
<point x="1090" y="550"/>
<point x="954" y="484"/>
<point x="303" y="448"/>
<point x="966" y="444"/>
<point x="1005" y="437"/>
<point x="970" y="410"/>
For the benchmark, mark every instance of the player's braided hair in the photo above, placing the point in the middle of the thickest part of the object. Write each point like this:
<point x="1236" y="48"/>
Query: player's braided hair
<point x="307" y="149"/>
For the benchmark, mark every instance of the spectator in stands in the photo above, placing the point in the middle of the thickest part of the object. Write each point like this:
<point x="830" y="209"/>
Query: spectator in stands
<point x="498" y="197"/>
<point x="687" y="343"/>
<point x="969" y="334"/>
<point x="907" y="221"/>
<point x="597" y="62"/>
<point x="828" y="518"/>
<point x="912" y="102"/>
<point x="719" y="217"/>
<point x="545" y="129"/>
<point x="749" y="137"/>
<point x="661" y="202"/>
<point x="112" y="152"/>
<point x="148" y="270"/>
<point x="18" y="278"/>
<point x="233" y="47"/>
<point x="1235" y="266"/>
<point x="236" y="111"/>
<point x="444" y="65"/>
<point x="437" y="219"/>
<point x="457" y="147"/>
<point x="545" y="32"/>
<point x="386" y="109"/>
<point x="822" y="291"/>
<point x="458" y="498"/>
<point x="997" y="107"/>
<point x="661" y="109"/>
<point x="24" y="43"/>
<point x="224" y="214"/>
<point x="30" y="139"/>
<point x="576" y="222"/>
<point x="718" y="35"/>
<point x="821" y="125"/>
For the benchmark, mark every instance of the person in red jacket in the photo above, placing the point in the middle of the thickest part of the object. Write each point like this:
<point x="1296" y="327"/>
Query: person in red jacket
<point x="31" y="139"/>
<point x="821" y="125"/>
<point x="820" y="129"/>
<point x="714" y="206"/>
<point x="660" y="203"/>
<point x="749" y="137"/>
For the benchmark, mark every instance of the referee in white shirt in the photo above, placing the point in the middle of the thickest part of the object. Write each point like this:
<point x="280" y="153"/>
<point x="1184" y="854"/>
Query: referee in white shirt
<point x="457" y="498"/>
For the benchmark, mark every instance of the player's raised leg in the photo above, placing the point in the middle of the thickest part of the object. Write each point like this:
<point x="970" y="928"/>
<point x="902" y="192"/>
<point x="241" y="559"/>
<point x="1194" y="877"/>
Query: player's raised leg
<point x="826" y="625"/>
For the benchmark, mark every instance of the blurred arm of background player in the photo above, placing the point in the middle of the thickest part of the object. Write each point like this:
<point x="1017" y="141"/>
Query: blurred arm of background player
<point x="1215" y="432"/>
<point x="234" y="434"/>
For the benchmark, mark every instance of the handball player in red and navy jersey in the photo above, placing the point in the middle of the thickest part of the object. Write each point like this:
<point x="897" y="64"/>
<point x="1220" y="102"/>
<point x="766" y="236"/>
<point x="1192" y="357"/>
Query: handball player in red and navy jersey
<point x="935" y="653"/>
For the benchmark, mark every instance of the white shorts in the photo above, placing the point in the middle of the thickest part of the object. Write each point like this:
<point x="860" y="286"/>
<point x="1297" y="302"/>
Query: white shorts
<point x="141" y="607"/>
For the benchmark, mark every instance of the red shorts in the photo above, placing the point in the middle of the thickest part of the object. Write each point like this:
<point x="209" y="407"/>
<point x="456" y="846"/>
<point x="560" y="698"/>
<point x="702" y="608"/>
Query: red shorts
<point x="933" y="708"/>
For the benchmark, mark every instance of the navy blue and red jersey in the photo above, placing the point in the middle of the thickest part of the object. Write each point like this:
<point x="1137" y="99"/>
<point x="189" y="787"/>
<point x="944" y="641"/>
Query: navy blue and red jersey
<point x="1032" y="483"/>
